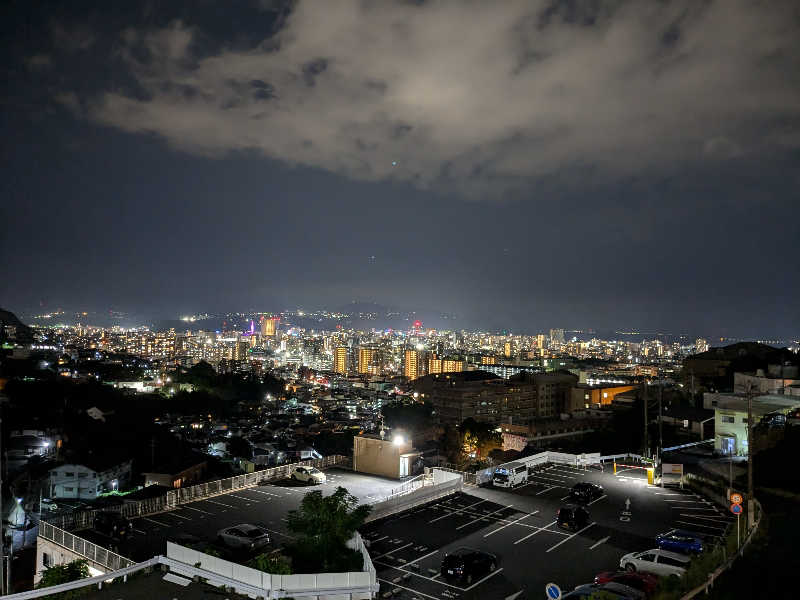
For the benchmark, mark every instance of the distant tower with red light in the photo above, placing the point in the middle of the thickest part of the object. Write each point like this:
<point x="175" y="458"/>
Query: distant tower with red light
<point x="417" y="326"/>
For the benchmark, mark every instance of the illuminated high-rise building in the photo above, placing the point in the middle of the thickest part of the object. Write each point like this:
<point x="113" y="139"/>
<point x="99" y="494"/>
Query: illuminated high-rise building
<point x="340" y="360"/>
<point x="507" y="350"/>
<point x="488" y="360"/>
<point x="557" y="336"/>
<point x="540" y="340"/>
<point x="701" y="345"/>
<point x="412" y="364"/>
<point x="269" y="326"/>
<point x="452" y="366"/>
<point x="365" y="356"/>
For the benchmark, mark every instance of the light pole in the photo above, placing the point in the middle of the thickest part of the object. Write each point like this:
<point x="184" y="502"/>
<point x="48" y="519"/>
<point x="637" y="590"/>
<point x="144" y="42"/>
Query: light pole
<point x="750" y="503"/>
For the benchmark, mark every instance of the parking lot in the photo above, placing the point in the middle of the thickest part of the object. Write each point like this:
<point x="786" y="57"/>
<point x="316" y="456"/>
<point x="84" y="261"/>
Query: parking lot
<point x="265" y="505"/>
<point x="518" y="526"/>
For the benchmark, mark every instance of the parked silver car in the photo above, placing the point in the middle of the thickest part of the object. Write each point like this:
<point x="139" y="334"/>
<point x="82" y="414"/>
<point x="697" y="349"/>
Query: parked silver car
<point x="243" y="536"/>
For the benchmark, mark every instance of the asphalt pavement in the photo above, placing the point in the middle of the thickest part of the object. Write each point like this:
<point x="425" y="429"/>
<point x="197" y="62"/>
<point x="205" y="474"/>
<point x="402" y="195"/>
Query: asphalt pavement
<point x="518" y="526"/>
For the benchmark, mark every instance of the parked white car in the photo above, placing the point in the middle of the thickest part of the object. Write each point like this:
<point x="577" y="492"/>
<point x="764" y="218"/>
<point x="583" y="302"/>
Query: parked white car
<point x="658" y="562"/>
<point x="243" y="536"/>
<point x="308" y="475"/>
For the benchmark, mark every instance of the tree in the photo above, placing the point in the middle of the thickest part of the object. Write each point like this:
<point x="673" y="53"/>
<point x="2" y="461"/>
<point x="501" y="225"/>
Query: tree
<point x="479" y="438"/>
<point x="269" y="562"/>
<point x="324" y="524"/>
<point x="58" y="574"/>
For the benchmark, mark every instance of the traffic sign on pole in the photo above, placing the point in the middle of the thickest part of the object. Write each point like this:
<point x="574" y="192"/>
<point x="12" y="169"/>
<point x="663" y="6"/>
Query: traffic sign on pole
<point x="736" y="498"/>
<point x="736" y="509"/>
<point x="552" y="591"/>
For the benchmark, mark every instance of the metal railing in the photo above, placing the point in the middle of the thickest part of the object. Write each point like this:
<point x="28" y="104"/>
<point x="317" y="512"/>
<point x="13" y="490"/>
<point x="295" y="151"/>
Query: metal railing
<point x="84" y="548"/>
<point x="140" y="508"/>
<point x="445" y="483"/>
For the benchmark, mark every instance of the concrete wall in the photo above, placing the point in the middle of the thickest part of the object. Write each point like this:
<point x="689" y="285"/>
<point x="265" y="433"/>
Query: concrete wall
<point x="58" y="555"/>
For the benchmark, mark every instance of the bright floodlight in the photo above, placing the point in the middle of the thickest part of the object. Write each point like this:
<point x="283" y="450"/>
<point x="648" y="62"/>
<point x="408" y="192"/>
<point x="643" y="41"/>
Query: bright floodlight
<point x="398" y="440"/>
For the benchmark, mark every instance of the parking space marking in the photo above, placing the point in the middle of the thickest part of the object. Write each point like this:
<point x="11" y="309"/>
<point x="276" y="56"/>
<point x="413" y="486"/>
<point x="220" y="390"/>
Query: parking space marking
<point x="219" y="503"/>
<point x="413" y="591"/>
<point x="156" y="522"/>
<point x="482" y="517"/>
<point x="549" y="474"/>
<point x="245" y="498"/>
<point x="552" y="487"/>
<point x="538" y="530"/>
<point x="568" y="472"/>
<point x="707" y="518"/>
<point x="701" y="525"/>
<point x="174" y="514"/>
<point x="388" y="566"/>
<point x="570" y="537"/>
<point x="458" y="510"/>
<point x="597" y="499"/>
<point x="205" y="512"/>
<point x="393" y="551"/>
<point x="714" y="510"/>
<point x="511" y="523"/>
<point x="689" y="501"/>
<point x="140" y="531"/>
<point x="547" y="479"/>
<point x="597" y="543"/>
<point x="265" y="493"/>
<point x="477" y="583"/>
<point x="416" y="560"/>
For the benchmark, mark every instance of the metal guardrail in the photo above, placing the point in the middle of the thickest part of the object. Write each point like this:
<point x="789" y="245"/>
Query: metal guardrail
<point x="390" y="506"/>
<point x="96" y="554"/>
<point x="140" y="508"/>
<point x="689" y="445"/>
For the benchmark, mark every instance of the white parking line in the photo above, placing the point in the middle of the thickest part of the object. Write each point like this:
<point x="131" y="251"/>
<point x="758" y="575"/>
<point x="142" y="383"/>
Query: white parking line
<point x="570" y="537"/>
<point x="688" y="501"/>
<point x="139" y="531"/>
<point x="714" y="510"/>
<point x="416" y="560"/>
<point x="547" y="479"/>
<point x="413" y="591"/>
<point x="156" y="522"/>
<point x="263" y="492"/>
<point x="379" y="539"/>
<point x="570" y="473"/>
<point x="538" y="530"/>
<point x="240" y="497"/>
<point x="707" y="518"/>
<point x="552" y="487"/>
<point x="549" y="474"/>
<point x="388" y="566"/>
<point x="565" y="497"/>
<point x="205" y="512"/>
<point x="597" y="543"/>
<point x="174" y="514"/>
<point x="483" y="517"/>
<point x="458" y="510"/>
<point x="702" y="525"/>
<point x="393" y="551"/>
<point x="480" y="581"/>
<point x="511" y="523"/>
<point x="597" y="499"/>
<point x="220" y="503"/>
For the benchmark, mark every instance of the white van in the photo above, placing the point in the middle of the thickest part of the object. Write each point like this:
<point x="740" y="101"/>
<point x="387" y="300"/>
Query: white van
<point x="658" y="562"/>
<point x="510" y="474"/>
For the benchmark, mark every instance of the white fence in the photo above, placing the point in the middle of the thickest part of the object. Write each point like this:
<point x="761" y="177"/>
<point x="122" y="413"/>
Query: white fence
<point x="85" y="519"/>
<point x="359" y="585"/>
<point x="96" y="554"/>
<point x="444" y="483"/>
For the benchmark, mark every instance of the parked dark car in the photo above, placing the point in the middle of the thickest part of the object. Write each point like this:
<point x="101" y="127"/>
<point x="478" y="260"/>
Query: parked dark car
<point x="586" y="491"/>
<point x="680" y="540"/>
<point x="113" y="525"/>
<point x="644" y="582"/>
<point x="467" y="565"/>
<point x="572" y="517"/>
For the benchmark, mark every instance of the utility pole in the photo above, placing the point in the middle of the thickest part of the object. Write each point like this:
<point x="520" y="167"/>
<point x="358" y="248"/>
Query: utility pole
<point x="750" y="503"/>
<point x="2" y="520"/>
<point x="644" y="397"/>
<point x="660" y="424"/>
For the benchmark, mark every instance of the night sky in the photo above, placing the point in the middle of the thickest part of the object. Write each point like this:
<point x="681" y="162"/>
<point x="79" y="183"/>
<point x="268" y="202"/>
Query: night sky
<point x="523" y="165"/>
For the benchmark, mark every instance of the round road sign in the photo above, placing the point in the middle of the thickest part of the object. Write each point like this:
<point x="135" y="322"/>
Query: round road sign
<point x="736" y="498"/>
<point x="736" y="509"/>
<point x="552" y="591"/>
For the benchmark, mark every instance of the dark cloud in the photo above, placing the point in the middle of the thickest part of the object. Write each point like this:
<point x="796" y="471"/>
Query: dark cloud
<point x="480" y="92"/>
